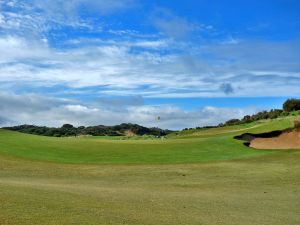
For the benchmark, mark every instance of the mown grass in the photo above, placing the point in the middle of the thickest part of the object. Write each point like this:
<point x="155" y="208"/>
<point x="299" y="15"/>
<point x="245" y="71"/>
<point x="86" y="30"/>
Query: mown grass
<point x="206" y="178"/>
<point x="99" y="151"/>
<point x="254" y="127"/>
<point x="256" y="191"/>
<point x="191" y="147"/>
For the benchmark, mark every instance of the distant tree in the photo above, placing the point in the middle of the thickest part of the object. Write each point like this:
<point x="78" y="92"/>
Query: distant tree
<point x="67" y="126"/>
<point x="291" y="105"/>
<point x="275" y="113"/>
<point x="233" y="122"/>
<point x="68" y="130"/>
<point x="247" y="119"/>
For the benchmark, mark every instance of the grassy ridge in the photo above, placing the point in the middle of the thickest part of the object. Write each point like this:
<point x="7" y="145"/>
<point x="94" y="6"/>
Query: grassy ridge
<point x="254" y="127"/>
<point x="186" y="147"/>
<point x="93" y="151"/>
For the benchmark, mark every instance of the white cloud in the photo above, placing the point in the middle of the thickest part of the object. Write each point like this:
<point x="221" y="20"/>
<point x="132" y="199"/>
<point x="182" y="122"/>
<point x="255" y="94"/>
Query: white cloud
<point x="2" y="20"/>
<point x="80" y="109"/>
<point x="35" y="18"/>
<point x="151" y="67"/>
<point x="152" y="74"/>
<point x="69" y="12"/>
<point x="151" y="44"/>
<point x="130" y="63"/>
<point x="39" y="110"/>
<point x="170" y="24"/>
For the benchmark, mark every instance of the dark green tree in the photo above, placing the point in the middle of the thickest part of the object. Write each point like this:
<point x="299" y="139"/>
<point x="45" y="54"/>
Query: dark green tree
<point x="67" y="126"/>
<point x="291" y="105"/>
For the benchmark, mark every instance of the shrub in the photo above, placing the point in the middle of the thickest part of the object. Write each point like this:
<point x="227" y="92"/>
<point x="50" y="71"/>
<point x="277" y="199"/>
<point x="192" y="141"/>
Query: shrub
<point x="297" y="124"/>
<point x="291" y="105"/>
<point x="67" y="126"/>
<point x="233" y="122"/>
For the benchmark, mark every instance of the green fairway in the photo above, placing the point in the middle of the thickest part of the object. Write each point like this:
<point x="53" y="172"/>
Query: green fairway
<point x="100" y="151"/>
<point x="194" y="177"/>
<point x="185" y="147"/>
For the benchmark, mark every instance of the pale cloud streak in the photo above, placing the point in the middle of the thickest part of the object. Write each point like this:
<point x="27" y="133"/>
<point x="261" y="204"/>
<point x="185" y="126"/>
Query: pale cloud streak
<point x="40" y="110"/>
<point x="150" y="73"/>
<point x="35" y="18"/>
<point x="172" y="25"/>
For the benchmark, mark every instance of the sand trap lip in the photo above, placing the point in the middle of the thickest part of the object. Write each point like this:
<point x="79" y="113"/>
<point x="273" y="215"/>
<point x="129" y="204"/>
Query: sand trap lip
<point x="281" y="139"/>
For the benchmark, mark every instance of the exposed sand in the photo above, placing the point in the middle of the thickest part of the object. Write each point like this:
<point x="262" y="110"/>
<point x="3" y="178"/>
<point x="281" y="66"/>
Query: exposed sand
<point x="287" y="140"/>
<point x="129" y="133"/>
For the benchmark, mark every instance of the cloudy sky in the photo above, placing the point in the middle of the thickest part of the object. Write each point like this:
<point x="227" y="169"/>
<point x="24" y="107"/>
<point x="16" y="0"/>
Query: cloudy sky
<point x="192" y="62"/>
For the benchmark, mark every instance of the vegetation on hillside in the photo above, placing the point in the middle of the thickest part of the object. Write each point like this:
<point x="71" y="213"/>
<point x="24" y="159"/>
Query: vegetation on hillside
<point x="290" y="107"/>
<point x="68" y="130"/>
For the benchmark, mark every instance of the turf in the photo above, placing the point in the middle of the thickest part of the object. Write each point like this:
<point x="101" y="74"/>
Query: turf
<point x="99" y="151"/>
<point x="205" y="178"/>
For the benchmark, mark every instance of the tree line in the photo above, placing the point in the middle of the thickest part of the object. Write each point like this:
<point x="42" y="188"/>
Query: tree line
<point x="290" y="105"/>
<point x="68" y="130"/>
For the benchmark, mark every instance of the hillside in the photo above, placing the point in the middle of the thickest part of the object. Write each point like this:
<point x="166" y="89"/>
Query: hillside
<point x="259" y="126"/>
<point x="182" y="147"/>
<point x="68" y="130"/>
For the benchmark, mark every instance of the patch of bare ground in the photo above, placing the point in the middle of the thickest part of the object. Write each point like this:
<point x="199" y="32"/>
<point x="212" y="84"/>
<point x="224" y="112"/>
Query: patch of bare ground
<point x="129" y="133"/>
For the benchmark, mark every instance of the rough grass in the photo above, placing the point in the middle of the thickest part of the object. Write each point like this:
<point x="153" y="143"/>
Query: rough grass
<point x="67" y="181"/>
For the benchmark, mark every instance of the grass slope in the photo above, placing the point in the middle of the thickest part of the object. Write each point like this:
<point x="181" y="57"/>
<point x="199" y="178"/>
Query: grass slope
<point x="191" y="147"/>
<point x="63" y="181"/>
<point x="99" y="151"/>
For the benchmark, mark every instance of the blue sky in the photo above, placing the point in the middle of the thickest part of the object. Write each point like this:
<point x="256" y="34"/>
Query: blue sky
<point x="193" y="62"/>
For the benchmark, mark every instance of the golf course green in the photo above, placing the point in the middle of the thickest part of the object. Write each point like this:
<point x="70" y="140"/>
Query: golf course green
<point x="191" y="177"/>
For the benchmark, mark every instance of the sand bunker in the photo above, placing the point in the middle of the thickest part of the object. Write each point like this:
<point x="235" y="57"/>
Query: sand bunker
<point x="286" y="139"/>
